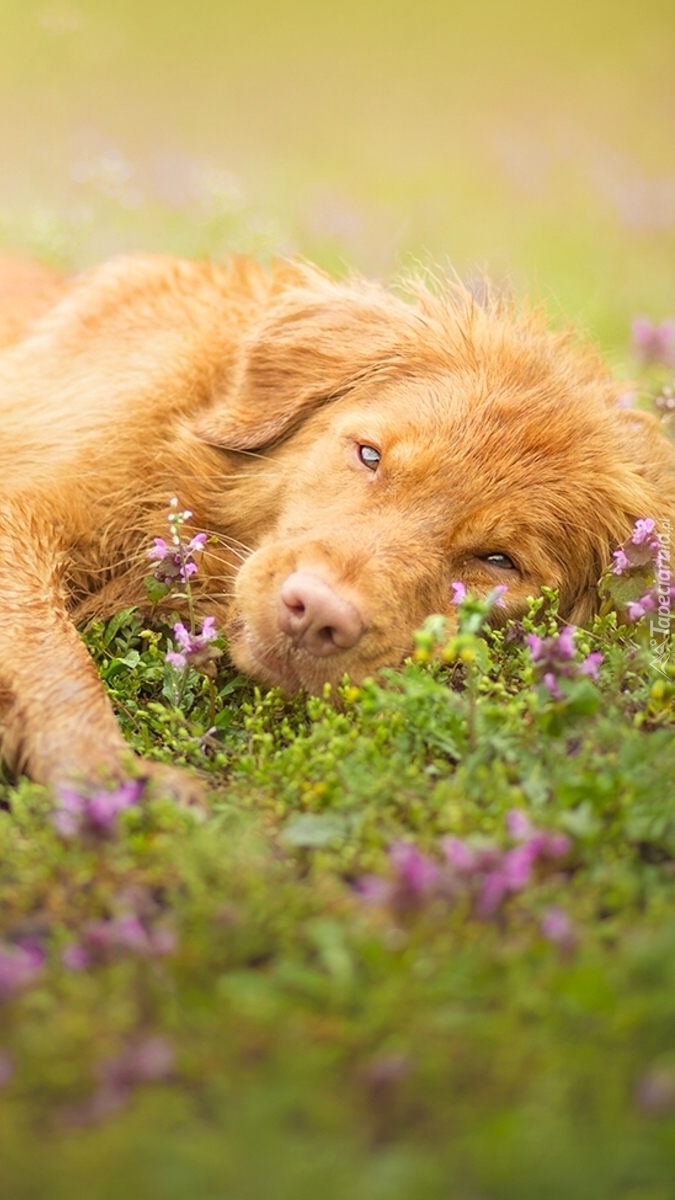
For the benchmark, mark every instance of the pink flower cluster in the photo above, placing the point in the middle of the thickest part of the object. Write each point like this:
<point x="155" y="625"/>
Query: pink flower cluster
<point x="487" y="873"/>
<point x="459" y="593"/>
<point x="557" y="928"/>
<point x="555" y="657"/>
<point x="19" y="965"/>
<point x="150" y="1060"/>
<point x="654" y="343"/>
<point x="645" y="540"/>
<point x="416" y="878"/>
<point x="643" y="552"/>
<point x="95" y="813"/>
<point x="115" y="936"/>
<point x="175" y="563"/>
<point x="195" y="648"/>
<point x="498" y="873"/>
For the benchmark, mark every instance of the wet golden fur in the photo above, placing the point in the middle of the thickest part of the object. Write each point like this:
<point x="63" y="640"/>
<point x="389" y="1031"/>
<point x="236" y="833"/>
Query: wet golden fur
<point x="247" y="394"/>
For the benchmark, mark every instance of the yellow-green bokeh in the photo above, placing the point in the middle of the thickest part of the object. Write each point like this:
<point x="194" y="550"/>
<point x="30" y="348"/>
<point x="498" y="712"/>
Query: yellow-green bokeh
<point x="533" y="140"/>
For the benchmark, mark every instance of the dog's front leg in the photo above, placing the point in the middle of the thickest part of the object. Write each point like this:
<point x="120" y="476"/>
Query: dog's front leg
<point x="57" y="723"/>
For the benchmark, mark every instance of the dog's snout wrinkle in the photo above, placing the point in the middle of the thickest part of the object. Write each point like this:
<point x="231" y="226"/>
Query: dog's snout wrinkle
<point x="317" y="618"/>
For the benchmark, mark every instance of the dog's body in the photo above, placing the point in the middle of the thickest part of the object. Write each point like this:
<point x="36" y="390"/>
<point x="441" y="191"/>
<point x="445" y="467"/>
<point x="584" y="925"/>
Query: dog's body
<point x="351" y="455"/>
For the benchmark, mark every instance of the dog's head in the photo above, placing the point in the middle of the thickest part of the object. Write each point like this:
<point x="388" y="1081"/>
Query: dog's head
<point x="407" y="446"/>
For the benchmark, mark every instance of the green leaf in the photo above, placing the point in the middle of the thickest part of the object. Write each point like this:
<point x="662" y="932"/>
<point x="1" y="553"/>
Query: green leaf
<point x="155" y="589"/>
<point x="313" y="830"/>
<point x="116" y="623"/>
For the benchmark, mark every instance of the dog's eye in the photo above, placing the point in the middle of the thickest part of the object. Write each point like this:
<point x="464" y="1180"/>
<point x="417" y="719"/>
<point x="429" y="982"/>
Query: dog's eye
<point x="370" y="457"/>
<point x="502" y="561"/>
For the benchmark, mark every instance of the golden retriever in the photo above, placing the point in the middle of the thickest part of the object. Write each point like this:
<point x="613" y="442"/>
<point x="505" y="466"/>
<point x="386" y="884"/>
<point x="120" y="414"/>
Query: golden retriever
<point x="350" y="454"/>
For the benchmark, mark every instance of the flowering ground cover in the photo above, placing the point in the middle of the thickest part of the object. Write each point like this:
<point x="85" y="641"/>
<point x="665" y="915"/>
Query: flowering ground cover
<point x="420" y="944"/>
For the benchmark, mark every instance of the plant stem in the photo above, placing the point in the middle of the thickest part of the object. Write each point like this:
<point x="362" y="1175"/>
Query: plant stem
<point x="471" y="696"/>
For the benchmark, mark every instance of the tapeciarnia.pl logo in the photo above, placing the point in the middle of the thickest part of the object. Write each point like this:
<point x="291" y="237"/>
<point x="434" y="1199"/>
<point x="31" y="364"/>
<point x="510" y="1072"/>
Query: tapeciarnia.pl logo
<point x="660" y="624"/>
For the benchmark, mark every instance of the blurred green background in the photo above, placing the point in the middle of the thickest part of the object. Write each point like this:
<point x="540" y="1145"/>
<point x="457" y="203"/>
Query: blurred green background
<point x="532" y="140"/>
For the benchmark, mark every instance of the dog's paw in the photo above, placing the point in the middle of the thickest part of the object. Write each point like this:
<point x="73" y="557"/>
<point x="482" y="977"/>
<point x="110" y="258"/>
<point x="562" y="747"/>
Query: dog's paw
<point x="173" y="783"/>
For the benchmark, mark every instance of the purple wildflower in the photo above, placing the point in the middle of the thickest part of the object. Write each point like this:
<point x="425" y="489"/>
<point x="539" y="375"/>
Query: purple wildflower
<point x="535" y="643"/>
<point x="519" y="825"/>
<point x="645" y="562"/>
<point x="551" y="684"/>
<point x="67" y="818"/>
<point x="102" y="807"/>
<point x="75" y="957"/>
<point x="19" y="964"/>
<point x="94" y="813"/>
<point x="417" y="874"/>
<point x="512" y="871"/>
<point x="641" y="530"/>
<point x="159" y="550"/>
<point x="517" y="863"/>
<point x="487" y="873"/>
<point x="175" y="563"/>
<point x="512" y="875"/>
<point x="458" y="591"/>
<point x="566" y="641"/>
<point x="149" y="1061"/>
<point x="621" y="562"/>
<point x="469" y="860"/>
<point x="373" y="889"/>
<point x="557" y="845"/>
<point x="654" y="343"/>
<point x="639" y="550"/>
<point x="127" y="933"/>
<point x="492" y="893"/>
<point x="195" y="648"/>
<point x="557" y="928"/>
<point x="555" y="658"/>
<point x="552" y="650"/>
<point x="638" y="608"/>
<point x="591" y="665"/>
<point x="460" y="856"/>
<point x="415" y="878"/>
<point x="118" y="933"/>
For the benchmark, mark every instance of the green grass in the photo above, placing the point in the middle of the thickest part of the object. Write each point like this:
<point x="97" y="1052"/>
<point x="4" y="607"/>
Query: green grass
<point x="325" y="1045"/>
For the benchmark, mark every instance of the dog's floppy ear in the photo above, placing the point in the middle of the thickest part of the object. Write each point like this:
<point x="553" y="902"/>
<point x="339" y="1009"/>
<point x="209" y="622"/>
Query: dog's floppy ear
<point x="313" y="344"/>
<point x="638" y="482"/>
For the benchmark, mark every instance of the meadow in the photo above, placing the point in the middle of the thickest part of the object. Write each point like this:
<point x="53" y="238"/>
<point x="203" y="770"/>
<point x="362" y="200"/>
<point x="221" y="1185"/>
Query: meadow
<point x="421" y="942"/>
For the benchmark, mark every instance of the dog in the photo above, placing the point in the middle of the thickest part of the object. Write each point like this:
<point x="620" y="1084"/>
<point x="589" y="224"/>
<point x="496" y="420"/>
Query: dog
<point x="349" y="452"/>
